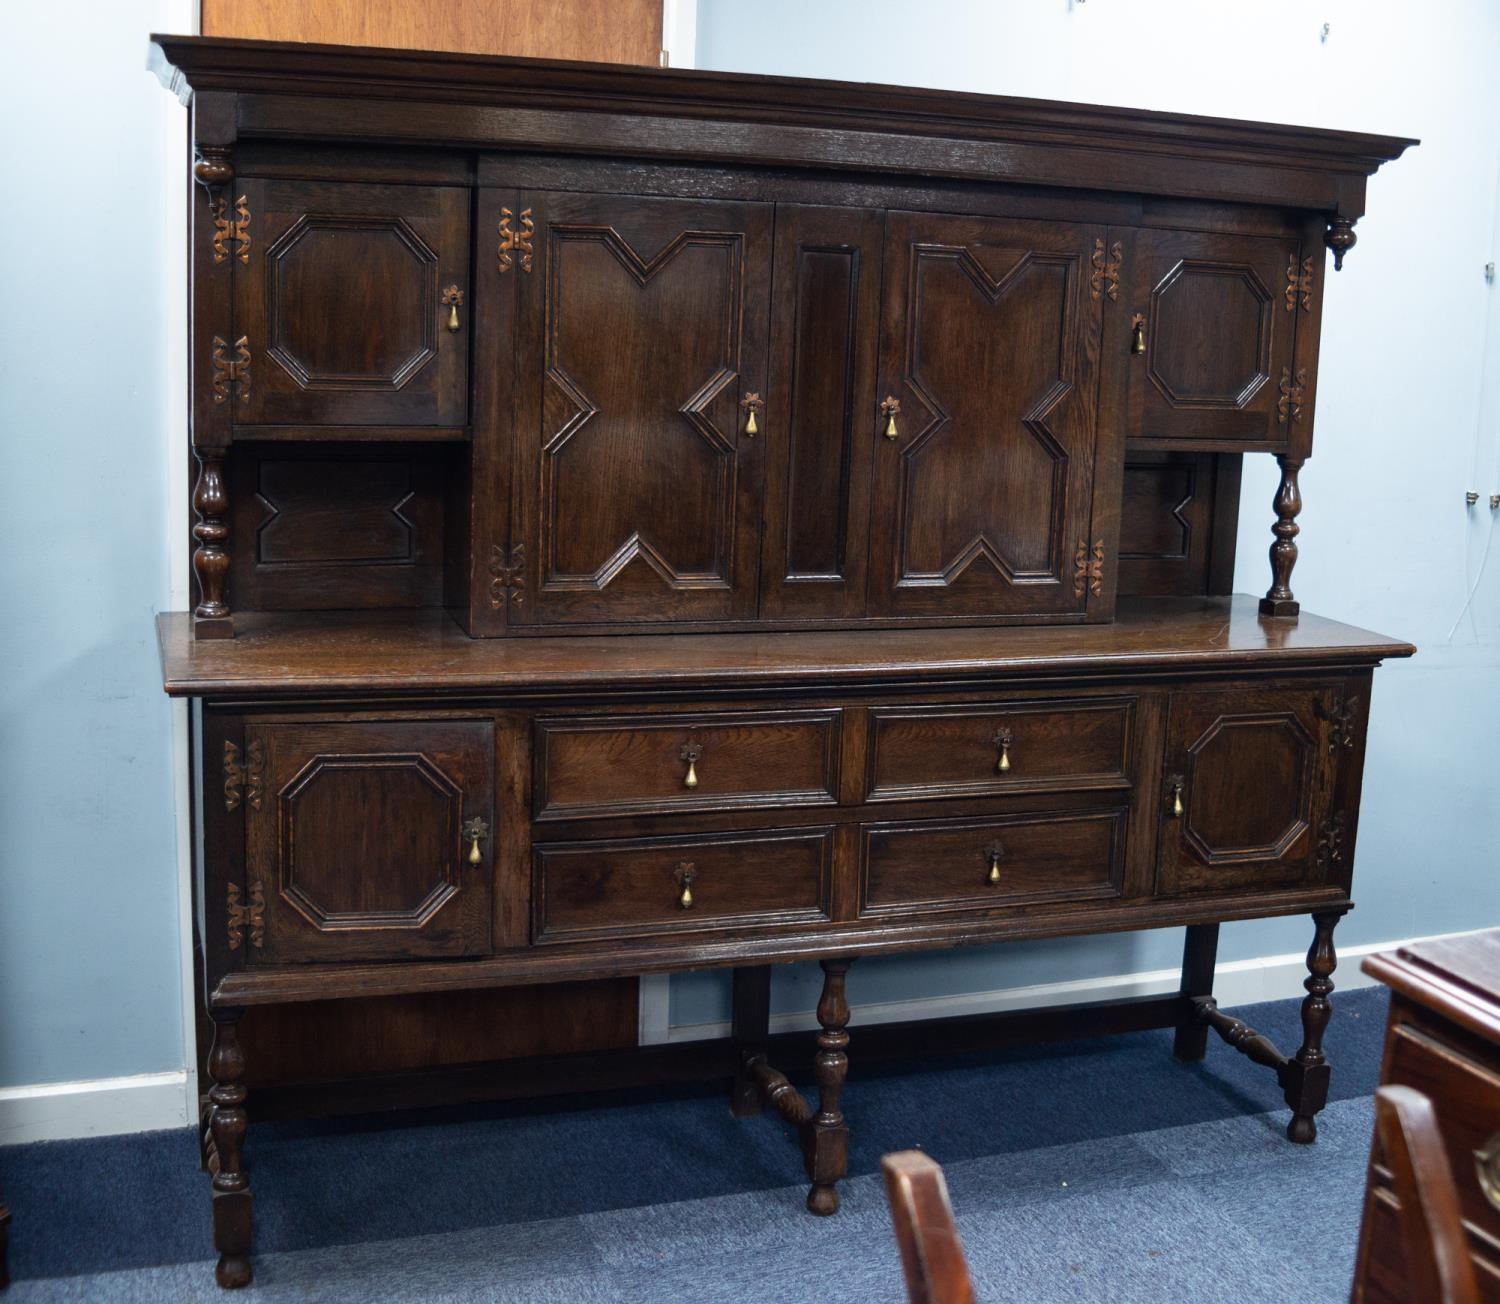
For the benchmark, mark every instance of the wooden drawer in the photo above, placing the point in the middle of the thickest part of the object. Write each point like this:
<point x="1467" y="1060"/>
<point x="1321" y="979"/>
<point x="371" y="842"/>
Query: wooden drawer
<point x="978" y="864"/>
<point x="935" y="751"/>
<point x="633" y="886"/>
<point x="1466" y="1095"/>
<point x="627" y="765"/>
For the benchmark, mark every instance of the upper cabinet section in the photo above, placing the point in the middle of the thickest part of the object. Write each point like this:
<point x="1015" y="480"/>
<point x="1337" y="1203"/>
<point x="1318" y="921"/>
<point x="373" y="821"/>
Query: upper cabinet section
<point x="352" y="305"/>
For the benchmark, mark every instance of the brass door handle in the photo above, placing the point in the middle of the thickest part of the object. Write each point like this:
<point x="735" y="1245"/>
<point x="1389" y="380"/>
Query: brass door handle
<point x="1003" y="740"/>
<point x="452" y="297"/>
<point x="692" y="754"/>
<point x="890" y="409"/>
<point x="1175" y="789"/>
<point x="686" y="872"/>
<point x="1138" y="334"/>
<point x="752" y="404"/>
<point x="475" y="831"/>
<point x="996" y="853"/>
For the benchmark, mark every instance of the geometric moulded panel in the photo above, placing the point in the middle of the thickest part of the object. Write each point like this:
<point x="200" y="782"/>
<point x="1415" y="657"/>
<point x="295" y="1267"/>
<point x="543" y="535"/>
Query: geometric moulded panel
<point x="1210" y="345"/>
<point x="1247" y="795"/>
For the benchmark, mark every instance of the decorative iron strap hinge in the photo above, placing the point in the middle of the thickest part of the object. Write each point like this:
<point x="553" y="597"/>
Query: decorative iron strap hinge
<point x="1331" y="842"/>
<point x="515" y="243"/>
<point x="1342" y="717"/>
<point x="243" y="780"/>
<point x="241" y="915"/>
<point x="235" y="230"/>
<point x="1298" y="283"/>
<point x="231" y="371"/>
<point x="507" y="578"/>
<point x="1088" y="568"/>
<point x="1290" y="402"/>
<point x="1105" y="277"/>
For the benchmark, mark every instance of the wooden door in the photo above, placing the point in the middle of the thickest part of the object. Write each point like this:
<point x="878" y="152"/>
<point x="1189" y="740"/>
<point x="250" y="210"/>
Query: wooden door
<point x="1210" y="332"/>
<point x="342" y="303"/>
<point x="361" y="842"/>
<point x="983" y="489"/>
<point x="1250" y="772"/>
<point x="640" y="382"/>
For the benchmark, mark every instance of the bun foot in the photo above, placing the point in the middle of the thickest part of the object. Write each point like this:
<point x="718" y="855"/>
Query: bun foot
<point x="1302" y="1129"/>
<point x="232" y="1272"/>
<point x="823" y="1200"/>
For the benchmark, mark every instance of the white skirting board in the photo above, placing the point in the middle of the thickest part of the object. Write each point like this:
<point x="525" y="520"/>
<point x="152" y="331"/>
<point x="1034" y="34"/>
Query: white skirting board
<point x="56" y="1111"/>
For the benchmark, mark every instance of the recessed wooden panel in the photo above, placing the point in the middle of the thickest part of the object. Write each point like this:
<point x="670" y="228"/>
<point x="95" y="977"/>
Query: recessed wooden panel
<point x="354" y="838"/>
<point x="644" y="327"/>
<point x="981" y="864"/>
<point x="927" y="751"/>
<point x="340" y="304"/>
<point x="1178" y="520"/>
<point x="824" y="331"/>
<point x="637" y="886"/>
<point x="991" y="347"/>
<point x="634" y="764"/>
<point x="1253" y="764"/>
<point x="606" y="31"/>
<point x="337" y="528"/>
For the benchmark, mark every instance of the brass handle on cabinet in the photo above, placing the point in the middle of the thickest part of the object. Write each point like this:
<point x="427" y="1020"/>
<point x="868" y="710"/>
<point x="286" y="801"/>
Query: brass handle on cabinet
<point x="686" y="871"/>
<point x="890" y="409"/>
<point x="692" y="754"/>
<point x="1175" y="782"/>
<point x="475" y="832"/>
<point x="452" y="297"/>
<point x="995" y="852"/>
<point x="1138" y="334"/>
<point x="1003" y="740"/>
<point x="752" y="404"/>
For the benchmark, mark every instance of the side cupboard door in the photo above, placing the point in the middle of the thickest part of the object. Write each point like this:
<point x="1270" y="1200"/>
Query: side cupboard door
<point x="986" y="446"/>
<point x="640" y="382"/>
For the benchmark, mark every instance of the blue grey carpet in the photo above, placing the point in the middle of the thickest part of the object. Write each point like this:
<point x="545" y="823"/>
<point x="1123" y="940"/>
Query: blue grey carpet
<point x="1082" y="1170"/>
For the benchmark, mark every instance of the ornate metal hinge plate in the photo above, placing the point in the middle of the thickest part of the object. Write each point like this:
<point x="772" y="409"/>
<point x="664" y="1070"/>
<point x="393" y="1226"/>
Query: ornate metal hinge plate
<point x="1331" y="842"/>
<point x="1290" y="402"/>
<point x="1342" y="717"/>
<point x="234" y="230"/>
<point x="1298" y="283"/>
<point x="515" y="243"/>
<point x="507" y="578"/>
<point x="242" y="915"/>
<point x="231" y="371"/>
<point x="1088" y="568"/>
<point x="243" y="780"/>
<point x="1105" y="277"/>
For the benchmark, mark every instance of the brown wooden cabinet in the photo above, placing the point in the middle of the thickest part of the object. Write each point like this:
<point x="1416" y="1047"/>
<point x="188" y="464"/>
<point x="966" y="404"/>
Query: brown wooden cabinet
<point x="777" y="400"/>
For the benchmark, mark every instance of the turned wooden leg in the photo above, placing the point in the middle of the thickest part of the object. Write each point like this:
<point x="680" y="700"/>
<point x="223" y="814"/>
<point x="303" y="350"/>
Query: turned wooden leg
<point x="1288" y="503"/>
<point x="750" y="1033"/>
<point x="210" y="558"/>
<point x="1199" y="951"/>
<point x="4" y="1247"/>
<point x="227" y="1123"/>
<point x="1307" y="1074"/>
<point x="827" y="1136"/>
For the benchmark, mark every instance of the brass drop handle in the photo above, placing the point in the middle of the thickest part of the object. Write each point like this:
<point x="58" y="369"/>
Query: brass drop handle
<point x="1175" y="782"/>
<point x="475" y="831"/>
<point x="890" y="409"/>
<point x="752" y="404"/>
<point x="452" y="297"/>
<point x="692" y="754"/>
<point x="686" y="871"/>
<point x="1138" y="334"/>
<point x="1003" y="740"/>
<point x="995" y="852"/>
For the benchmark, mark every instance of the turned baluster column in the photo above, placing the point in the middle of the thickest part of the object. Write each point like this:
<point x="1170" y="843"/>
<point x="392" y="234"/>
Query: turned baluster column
<point x="211" y="530"/>
<point x="1288" y="504"/>
<point x="1308" y="1073"/>
<point x="827" y="1135"/>
<point x="228" y="1122"/>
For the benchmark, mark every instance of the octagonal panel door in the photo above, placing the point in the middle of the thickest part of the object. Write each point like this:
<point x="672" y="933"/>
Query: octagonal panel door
<point x="345" y="301"/>
<point x="362" y="840"/>
<point x="985" y="446"/>
<point x="1245" y="787"/>
<point x="1213" y="366"/>
<point x="640" y="384"/>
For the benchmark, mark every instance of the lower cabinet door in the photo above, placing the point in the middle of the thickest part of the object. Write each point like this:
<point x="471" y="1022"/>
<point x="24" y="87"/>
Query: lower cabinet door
<point x="1245" y="783"/>
<point x="371" y="840"/>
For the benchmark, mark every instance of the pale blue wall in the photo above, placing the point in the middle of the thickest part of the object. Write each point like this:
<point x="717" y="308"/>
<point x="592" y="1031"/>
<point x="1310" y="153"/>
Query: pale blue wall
<point x="89" y="966"/>
<point x="1407" y="413"/>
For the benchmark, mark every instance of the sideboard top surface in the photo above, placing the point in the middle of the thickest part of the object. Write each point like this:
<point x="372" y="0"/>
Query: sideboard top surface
<point x="426" y="651"/>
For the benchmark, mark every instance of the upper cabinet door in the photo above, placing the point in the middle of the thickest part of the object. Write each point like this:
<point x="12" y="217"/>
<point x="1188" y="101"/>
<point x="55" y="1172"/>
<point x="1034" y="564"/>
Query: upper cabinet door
<point x="985" y="441"/>
<point x="640" y="389"/>
<point x="344" y="304"/>
<point x="1208" y="330"/>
